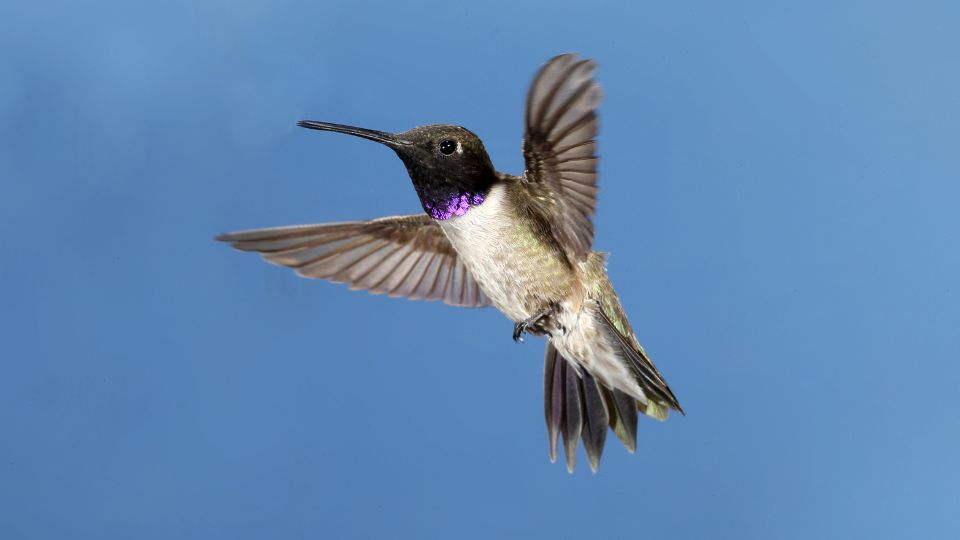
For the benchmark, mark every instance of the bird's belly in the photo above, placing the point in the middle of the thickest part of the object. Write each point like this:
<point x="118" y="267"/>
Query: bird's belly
<point x="519" y="279"/>
<point x="521" y="275"/>
<point x="512" y="286"/>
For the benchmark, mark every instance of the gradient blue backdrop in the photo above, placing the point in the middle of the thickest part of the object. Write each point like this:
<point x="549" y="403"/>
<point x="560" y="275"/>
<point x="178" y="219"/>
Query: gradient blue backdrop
<point x="779" y="194"/>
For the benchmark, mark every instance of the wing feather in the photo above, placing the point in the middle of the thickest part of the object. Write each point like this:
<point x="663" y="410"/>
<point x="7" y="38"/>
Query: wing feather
<point x="399" y="256"/>
<point x="559" y="147"/>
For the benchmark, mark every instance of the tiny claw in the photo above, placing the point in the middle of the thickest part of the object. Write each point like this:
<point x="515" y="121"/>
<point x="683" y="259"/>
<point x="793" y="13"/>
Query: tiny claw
<point x="522" y="326"/>
<point x="518" y="329"/>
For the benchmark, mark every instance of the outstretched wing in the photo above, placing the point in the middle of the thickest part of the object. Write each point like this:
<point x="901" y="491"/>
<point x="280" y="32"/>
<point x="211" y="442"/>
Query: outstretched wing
<point x="559" y="149"/>
<point x="400" y="256"/>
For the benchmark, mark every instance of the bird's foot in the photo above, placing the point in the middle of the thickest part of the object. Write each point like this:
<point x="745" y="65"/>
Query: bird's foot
<point x="518" y="329"/>
<point x="529" y="325"/>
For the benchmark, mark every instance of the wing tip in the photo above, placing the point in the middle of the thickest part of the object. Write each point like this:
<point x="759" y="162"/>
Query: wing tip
<point x="566" y="56"/>
<point x="569" y="56"/>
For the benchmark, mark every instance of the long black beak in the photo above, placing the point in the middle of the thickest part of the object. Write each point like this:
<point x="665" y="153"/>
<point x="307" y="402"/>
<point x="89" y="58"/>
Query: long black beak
<point x="388" y="139"/>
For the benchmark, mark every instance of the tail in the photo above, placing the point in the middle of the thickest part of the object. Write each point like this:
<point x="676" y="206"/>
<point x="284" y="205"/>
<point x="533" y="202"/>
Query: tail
<point x="576" y="405"/>
<point x="579" y="405"/>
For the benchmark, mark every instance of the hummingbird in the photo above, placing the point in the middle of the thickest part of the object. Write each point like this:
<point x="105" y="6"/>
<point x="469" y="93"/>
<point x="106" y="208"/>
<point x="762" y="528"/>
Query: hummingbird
<point x="522" y="244"/>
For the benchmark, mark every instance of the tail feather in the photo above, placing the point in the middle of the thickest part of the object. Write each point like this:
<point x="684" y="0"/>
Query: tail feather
<point x="623" y="420"/>
<point x="554" y="371"/>
<point x="595" y="420"/>
<point x="578" y="406"/>
<point x="572" y="415"/>
<point x="581" y="404"/>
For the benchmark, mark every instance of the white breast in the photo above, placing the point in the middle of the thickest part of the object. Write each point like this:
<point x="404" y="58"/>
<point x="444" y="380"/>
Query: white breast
<point x="509" y="266"/>
<point x="501" y="253"/>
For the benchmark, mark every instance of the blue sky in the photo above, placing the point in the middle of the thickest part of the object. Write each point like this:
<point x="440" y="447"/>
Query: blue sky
<point x="779" y="192"/>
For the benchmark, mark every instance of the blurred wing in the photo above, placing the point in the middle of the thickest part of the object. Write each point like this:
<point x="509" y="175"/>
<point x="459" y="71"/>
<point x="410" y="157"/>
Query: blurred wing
<point x="400" y="256"/>
<point x="559" y="149"/>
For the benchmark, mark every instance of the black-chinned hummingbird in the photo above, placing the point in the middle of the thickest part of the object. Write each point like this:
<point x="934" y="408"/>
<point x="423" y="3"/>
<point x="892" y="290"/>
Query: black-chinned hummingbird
<point x="520" y="243"/>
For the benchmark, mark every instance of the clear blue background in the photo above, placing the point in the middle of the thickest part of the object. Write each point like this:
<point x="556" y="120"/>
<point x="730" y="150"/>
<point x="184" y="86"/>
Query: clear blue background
<point x="779" y="194"/>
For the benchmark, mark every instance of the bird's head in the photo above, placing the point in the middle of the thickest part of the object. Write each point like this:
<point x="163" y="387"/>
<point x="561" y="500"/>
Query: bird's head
<point x="448" y="165"/>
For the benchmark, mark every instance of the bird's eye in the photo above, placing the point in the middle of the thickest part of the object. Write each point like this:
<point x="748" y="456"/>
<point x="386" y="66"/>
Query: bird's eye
<point x="448" y="146"/>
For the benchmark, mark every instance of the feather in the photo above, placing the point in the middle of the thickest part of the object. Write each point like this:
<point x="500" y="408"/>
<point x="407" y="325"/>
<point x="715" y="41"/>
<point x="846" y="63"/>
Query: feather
<point x="573" y="420"/>
<point x="595" y="419"/>
<point x="552" y="397"/>
<point x="400" y="256"/>
<point x="558" y="148"/>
